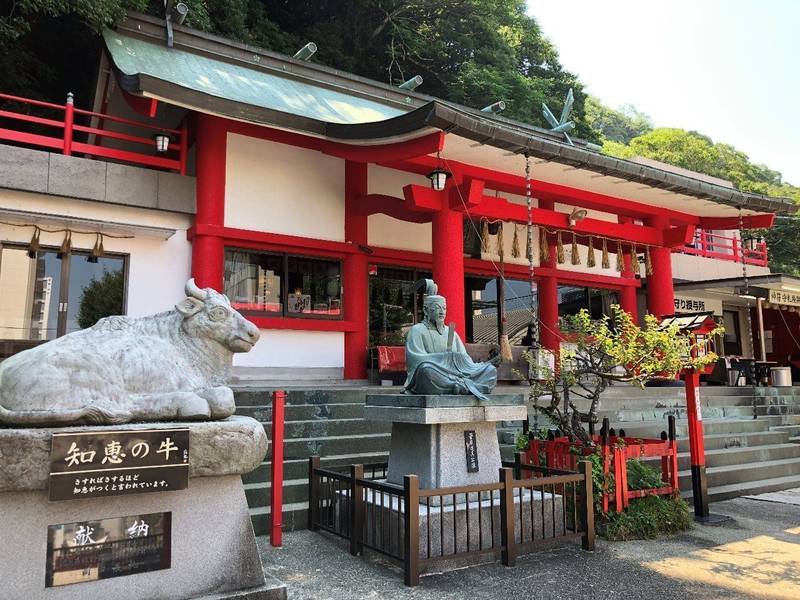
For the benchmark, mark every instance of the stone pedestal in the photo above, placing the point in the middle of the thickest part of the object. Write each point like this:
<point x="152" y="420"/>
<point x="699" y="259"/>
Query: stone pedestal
<point x="428" y="435"/>
<point x="214" y="554"/>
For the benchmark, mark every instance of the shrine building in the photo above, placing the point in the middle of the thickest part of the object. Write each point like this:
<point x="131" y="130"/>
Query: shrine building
<point x="315" y="199"/>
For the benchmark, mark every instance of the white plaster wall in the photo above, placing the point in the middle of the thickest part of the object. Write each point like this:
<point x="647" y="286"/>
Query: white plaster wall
<point x="158" y="269"/>
<point x="688" y="267"/>
<point x="386" y="232"/>
<point x="283" y="189"/>
<point x="287" y="348"/>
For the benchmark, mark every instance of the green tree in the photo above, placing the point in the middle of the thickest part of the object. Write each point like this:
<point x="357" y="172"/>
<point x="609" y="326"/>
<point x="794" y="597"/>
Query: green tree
<point x="620" y="125"/>
<point x="691" y="150"/>
<point x="611" y="349"/>
<point x="101" y="298"/>
<point x="473" y="52"/>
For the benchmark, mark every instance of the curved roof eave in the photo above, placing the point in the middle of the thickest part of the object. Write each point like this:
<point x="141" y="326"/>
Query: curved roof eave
<point x="422" y="114"/>
<point x="454" y="119"/>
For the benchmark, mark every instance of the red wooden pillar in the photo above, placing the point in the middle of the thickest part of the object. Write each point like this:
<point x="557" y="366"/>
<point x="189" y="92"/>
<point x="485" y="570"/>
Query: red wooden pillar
<point x="210" y="157"/>
<point x="627" y="294"/>
<point x="660" y="293"/>
<point x="547" y="290"/>
<point x="276" y="469"/>
<point x="697" y="453"/>
<point x="448" y="263"/>
<point x="355" y="277"/>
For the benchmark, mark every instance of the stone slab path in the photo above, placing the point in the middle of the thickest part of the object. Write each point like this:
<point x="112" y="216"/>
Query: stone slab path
<point x="756" y="555"/>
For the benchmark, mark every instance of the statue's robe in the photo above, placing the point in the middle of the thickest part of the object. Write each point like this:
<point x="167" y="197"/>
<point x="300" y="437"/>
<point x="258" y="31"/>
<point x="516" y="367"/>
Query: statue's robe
<point x="432" y="369"/>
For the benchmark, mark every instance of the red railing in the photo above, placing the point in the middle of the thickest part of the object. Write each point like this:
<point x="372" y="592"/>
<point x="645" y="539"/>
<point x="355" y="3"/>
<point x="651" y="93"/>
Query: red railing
<point x="722" y="247"/>
<point x="85" y="138"/>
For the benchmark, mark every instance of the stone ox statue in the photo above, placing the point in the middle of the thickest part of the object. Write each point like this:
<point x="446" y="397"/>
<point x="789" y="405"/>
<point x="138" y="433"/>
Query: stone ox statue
<point x="171" y="365"/>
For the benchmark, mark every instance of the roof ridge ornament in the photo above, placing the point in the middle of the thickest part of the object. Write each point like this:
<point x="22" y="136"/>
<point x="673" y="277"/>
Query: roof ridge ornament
<point x="561" y="125"/>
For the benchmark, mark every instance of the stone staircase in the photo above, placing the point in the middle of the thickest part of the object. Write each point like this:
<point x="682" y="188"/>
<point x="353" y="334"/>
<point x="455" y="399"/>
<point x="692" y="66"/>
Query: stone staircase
<point x="327" y="421"/>
<point x="744" y="455"/>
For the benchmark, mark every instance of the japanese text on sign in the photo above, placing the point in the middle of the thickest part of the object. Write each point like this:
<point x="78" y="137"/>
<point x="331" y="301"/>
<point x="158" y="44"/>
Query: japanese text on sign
<point x="782" y="297"/>
<point x="109" y="463"/>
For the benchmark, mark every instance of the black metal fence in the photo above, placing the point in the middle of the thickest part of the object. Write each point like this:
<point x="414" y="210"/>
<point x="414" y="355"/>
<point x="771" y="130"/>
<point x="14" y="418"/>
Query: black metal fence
<point x="526" y="509"/>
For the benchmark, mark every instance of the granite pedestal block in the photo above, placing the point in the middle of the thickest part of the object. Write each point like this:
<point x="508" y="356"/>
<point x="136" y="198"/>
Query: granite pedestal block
<point x="214" y="554"/>
<point x="428" y="435"/>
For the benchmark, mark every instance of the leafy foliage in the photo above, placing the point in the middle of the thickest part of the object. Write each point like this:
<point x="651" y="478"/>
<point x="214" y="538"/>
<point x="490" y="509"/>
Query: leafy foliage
<point x="101" y="298"/>
<point x="616" y="125"/>
<point x="692" y="150"/>
<point x="610" y="349"/>
<point x="649" y="517"/>
<point x="474" y="52"/>
<point x="642" y="476"/>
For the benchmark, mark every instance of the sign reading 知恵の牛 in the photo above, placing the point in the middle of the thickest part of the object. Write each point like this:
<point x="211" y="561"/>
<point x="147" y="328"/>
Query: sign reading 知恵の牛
<point x="114" y="463"/>
<point x="97" y="549"/>
<point x="783" y="297"/>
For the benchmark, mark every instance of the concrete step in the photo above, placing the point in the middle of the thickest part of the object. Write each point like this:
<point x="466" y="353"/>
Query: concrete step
<point x="722" y="457"/>
<point x="297" y="468"/>
<point x="294" y="490"/>
<point x="747" y="488"/>
<point x="736" y="474"/>
<point x="312" y="396"/>
<point x="710" y="426"/>
<point x="295" y="516"/>
<point x="713" y="441"/>
<point x="305" y="412"/>
<point x="792" y="430"/>
<point x="330" y="446"/>
<point x="754" y="439"/>
<point x="324" y="428"/>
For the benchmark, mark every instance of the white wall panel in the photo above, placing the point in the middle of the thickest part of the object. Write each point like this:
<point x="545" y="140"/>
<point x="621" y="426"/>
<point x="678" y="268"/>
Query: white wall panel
<point x="286" y="348"/>
<point x="283" y="189"/>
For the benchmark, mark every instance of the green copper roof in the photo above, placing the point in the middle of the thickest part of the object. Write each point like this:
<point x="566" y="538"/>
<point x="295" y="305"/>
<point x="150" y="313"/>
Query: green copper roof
<point x="136" y="57"/>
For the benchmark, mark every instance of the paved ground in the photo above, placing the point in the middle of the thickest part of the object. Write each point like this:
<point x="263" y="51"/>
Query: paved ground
<point x="757" y="555"/>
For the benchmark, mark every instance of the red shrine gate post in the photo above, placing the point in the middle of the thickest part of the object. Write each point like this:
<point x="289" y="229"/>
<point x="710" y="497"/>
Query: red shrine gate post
<point x="697" y="452"/>
<point x="208" y="253"/>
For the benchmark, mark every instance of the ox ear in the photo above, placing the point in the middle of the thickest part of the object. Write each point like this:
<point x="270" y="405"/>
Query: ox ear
<point x="189" y="306"/>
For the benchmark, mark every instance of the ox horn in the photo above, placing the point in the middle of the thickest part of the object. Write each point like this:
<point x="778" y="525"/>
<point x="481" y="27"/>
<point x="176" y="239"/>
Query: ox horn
<point x="195" y="292"/>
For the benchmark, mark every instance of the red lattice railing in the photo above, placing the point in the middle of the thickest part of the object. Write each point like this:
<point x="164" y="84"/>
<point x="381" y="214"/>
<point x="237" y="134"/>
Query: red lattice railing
<point x="70" y="130"/>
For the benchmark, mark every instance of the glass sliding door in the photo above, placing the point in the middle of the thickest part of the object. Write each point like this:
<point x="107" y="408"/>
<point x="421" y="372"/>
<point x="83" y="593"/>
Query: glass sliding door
<point x="45" y="297"/>
<point x="93" y="291"/>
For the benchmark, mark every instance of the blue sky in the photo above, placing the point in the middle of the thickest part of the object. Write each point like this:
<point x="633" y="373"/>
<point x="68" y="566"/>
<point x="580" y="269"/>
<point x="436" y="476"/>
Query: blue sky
<point x="728" y="69"/>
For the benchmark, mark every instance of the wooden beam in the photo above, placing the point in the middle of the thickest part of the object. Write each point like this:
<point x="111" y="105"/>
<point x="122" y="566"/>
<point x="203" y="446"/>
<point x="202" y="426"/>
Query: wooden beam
<point x="515" y="184"/>
<point x="371" y="204"/>
<point x="762" y="221"/>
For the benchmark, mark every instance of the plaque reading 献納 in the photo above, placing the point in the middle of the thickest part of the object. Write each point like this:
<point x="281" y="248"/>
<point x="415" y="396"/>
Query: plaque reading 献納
<point x="471" y="448"/>
<point x="114" y="463"/>
<point x="97" y="549"/>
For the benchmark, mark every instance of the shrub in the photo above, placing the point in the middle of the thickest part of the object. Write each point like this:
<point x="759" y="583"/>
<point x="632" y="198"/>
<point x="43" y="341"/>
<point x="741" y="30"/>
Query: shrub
<point x="642" y="476"/>
<point x="649" y="517"/>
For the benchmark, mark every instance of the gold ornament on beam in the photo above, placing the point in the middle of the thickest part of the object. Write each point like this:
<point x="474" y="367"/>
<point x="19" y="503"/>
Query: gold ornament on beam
<point x="619" y="257"/>
<point x="648" y="264"/>
<point x="544" y="247"/>
<point x="576" y="257"/>
<point x="606" y="264"/>
<point x="560" y="249"/>
<point x="515" y="243"/>
<point x="590" y="262"/>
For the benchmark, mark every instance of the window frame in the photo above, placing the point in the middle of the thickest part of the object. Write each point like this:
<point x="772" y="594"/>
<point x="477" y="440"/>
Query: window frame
<point x="65" y="274"/>
<point x="284" y="287"/>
